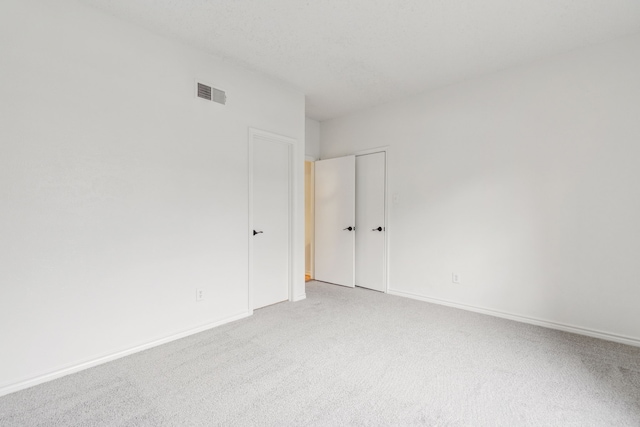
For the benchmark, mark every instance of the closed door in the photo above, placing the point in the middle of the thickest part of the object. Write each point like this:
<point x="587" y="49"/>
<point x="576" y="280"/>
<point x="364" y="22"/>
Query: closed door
<point x="370" y="221"/>
<point x="335" y="221"/>
<point x="270" y="221"/>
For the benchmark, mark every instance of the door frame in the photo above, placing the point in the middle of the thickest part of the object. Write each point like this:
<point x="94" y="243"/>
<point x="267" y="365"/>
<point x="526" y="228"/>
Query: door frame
<point x="291" y="142"/>
<point x="387" y="234"/>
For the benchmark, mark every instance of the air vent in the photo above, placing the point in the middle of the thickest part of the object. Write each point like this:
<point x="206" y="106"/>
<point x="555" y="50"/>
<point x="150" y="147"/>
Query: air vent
<point x="211" y="94"/>
<point x="219" y="96"/>
<point x="204" y="91"/>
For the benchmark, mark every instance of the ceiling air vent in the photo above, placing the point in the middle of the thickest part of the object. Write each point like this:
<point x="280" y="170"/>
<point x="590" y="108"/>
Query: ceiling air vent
<point x="211" y="94"/>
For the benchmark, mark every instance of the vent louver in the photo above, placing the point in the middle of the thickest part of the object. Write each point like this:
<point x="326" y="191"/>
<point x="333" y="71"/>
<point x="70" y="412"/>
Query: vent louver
<point x="212" y="94"/>
<point x="204" y="91"/>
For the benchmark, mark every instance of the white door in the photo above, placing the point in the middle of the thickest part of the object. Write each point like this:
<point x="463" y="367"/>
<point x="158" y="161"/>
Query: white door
<point x="370" y="221"/>
<point x="270" y="221"/>
<point x="335" y="220"/>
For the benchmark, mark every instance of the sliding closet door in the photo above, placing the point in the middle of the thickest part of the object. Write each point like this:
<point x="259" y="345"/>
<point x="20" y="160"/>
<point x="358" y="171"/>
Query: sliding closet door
<point x="370" y="221"/>
<point x="335" y="220"/>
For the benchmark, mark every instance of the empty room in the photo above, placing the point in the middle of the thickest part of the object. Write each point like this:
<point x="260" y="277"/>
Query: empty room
<point x="319" y="213"/>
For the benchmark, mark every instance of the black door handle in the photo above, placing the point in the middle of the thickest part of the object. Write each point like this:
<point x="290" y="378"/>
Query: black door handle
<point x="377" y="229"/>
<point x="256" y="232"/>
<point x="349" y="228"/>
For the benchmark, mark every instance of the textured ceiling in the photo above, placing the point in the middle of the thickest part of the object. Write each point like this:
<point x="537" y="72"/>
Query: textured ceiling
<point x="350" y="54"/>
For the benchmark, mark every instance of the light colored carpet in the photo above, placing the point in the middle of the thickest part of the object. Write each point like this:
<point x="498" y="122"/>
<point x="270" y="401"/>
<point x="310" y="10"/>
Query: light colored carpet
<point x="351" y="357"/>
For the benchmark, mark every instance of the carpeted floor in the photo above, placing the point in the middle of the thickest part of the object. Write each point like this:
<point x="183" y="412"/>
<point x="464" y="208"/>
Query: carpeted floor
<point x="351" y="357"/>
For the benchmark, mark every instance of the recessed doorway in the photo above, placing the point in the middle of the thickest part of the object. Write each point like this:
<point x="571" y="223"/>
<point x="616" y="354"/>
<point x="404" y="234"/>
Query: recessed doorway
<point x="309" y="225"/>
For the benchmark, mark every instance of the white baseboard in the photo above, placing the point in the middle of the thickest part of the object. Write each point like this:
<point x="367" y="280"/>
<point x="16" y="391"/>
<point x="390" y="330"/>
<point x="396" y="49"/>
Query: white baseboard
<point x="299" y="297"/>
<point x="524" y="319"/>
<point x="30" y="382"/>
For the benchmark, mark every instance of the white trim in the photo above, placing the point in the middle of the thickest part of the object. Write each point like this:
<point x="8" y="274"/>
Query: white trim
<point x="524" y="319"/>
<point x="387" y="231"/>
<point x="291" y="142"/>
<point x="70" y="369"/>
<point x="371" y="151"/>
<point x="309" y="159"/>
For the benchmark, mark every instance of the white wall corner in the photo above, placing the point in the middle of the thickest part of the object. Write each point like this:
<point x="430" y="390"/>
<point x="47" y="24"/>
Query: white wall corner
<point x="312" y="139"/>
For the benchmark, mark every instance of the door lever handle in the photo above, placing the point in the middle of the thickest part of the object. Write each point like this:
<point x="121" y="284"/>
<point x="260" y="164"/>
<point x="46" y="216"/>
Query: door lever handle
<point x="349" y="228"/>
<point x="257" y="232"/>
<point x="377" y="229"/>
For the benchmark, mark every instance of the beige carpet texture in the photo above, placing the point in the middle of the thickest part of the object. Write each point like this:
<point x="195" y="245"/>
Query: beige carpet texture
<point x="351" y="357"/>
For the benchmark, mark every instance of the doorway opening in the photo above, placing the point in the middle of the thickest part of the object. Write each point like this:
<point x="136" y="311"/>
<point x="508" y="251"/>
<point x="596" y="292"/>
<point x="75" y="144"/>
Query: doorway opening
<point x="309" y="223"/>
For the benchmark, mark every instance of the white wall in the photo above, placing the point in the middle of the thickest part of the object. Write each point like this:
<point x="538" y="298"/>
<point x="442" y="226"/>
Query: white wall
<point x="525" y="182"/>
<point x="120" y="192"/>
<point x="312" y="138"/>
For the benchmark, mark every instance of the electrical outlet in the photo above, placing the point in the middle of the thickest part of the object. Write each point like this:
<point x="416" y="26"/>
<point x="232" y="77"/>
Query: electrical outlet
<point x="455" y="278"/>
<point x="199" y="294"/>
